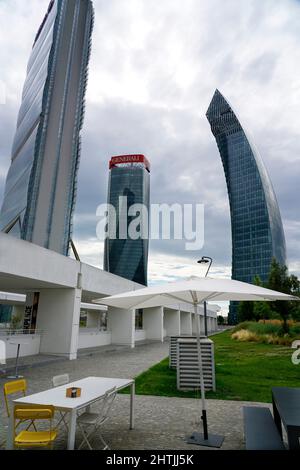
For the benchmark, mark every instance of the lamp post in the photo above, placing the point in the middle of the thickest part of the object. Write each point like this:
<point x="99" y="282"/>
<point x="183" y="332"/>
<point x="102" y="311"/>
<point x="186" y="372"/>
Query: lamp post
<point x="205" y="260"/>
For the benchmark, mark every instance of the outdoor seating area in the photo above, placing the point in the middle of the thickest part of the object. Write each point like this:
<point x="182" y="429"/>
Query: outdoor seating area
<point x="263" y="431"/>
<point x="37" y="413"/>
<point x="43" y="405"/>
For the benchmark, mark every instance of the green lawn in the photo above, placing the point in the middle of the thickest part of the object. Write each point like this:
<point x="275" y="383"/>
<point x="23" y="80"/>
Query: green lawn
<point x="244" y="371"/>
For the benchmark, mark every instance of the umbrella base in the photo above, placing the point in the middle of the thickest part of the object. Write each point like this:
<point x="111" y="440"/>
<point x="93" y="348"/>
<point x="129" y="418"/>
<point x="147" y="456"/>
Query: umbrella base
<point x="197" y="438"/>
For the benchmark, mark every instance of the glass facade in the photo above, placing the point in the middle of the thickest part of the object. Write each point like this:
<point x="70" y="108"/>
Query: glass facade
<point x="128" y="257"/>
<point x="257" y="231"/>
<point x="139" y="319"/>
<point x="5" y="313"/>
<point x="40" y="187"/>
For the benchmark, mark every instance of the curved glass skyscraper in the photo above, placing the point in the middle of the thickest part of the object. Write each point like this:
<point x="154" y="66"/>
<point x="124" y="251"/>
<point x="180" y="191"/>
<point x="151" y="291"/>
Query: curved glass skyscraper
<point x="257" y="232"/>
<point x="40" y="187"/>
<point x="129" y="184"/>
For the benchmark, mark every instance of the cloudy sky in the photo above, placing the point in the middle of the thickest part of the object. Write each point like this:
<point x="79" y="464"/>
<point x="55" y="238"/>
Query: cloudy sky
<point x="154" y="68"/>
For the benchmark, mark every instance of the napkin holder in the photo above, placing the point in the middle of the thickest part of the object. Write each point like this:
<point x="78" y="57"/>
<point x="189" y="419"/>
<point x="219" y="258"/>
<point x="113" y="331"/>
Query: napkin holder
<point x="73" y="392"/>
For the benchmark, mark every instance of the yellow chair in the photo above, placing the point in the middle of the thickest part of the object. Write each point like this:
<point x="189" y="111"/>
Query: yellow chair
<point x="13" y="388"/>
<point x="25" y="438"/>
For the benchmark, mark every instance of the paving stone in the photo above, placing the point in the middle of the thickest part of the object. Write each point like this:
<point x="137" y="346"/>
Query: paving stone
<point x="161" y="423"/>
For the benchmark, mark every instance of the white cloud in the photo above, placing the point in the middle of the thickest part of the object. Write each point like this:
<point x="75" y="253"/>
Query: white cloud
<point x="168" y="267"/>
<point x="153" y="71"/>
<point x="90" y="251"/>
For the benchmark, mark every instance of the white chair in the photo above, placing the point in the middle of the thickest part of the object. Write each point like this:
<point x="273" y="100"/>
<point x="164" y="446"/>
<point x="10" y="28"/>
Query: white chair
<point x="90" y="422"/>
<point x="57" y="381"/>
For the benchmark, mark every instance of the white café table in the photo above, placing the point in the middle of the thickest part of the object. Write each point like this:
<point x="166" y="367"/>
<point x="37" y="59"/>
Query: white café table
<point x="92" y="389"/>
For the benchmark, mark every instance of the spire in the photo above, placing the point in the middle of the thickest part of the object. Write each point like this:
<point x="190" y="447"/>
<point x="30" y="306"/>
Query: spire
<point x="218" y="106"/>
<point x="221" y="116"/>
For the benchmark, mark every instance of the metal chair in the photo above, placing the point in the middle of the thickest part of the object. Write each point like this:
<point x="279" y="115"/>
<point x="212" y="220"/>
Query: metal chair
<point x="13" y="388"/>
<point x="90" y="422"/>
<point x="57" y="381"/>
<point x="25" y="438"/>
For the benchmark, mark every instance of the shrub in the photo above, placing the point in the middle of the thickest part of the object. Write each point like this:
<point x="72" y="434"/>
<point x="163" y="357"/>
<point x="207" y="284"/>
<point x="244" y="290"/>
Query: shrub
<point x="277" y="321"/>
<point x="270" y="332"/>
<point x="244" y="335"/>
<point x="259" y="328"/>
<point x="265" y="328"/>
<point x="241" y="326"/>
<point x="285" y="340"/>
<point x="295" y="329"/>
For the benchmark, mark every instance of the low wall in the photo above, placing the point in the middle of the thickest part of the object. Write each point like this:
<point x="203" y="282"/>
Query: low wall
<point x="140" y="335"/>
<point x="29" y="345"/>
<point x="93" y="339"/>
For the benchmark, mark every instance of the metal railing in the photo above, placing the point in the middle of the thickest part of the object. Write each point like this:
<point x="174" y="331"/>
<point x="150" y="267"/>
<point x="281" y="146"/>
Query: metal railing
<point x="19" y="332"/>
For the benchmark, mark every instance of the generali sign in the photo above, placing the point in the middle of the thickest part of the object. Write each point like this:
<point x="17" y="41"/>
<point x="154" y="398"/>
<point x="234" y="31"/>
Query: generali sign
<point x="129" y="159"/>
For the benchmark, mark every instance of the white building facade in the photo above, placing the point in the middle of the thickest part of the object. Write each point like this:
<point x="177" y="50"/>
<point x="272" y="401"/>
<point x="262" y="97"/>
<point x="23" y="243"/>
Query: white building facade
<point x="66" y="289"/>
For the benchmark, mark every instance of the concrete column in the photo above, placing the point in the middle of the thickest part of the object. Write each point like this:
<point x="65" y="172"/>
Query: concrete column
<point x="121" y="323"/>
<point x="202" y="325"/>
<point x="208" y="324"/>
<point x="153" y="323"/>
<point x="194" y="329"/>
<point x="186" y="323"/>
<point x="58" y="316"/>
<point x="172" y="322"/>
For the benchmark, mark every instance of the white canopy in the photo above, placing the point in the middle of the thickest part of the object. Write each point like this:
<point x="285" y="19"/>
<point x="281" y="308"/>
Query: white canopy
<point x="193" y="291"/>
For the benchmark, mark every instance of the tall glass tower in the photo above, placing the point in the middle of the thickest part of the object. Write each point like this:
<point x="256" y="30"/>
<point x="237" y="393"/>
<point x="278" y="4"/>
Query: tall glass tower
<point x="129" y="184"/>
<point x="257" y="232"/>
<point x="40" y="186"/>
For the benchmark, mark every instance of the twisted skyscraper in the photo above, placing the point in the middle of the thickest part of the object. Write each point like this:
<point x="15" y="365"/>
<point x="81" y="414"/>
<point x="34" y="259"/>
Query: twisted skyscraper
<point x="257" y="232"/>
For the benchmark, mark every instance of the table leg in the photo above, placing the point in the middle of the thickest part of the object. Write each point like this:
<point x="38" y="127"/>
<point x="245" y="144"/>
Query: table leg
<point x="72" y="430"/>
<point x="10" y="433"/>
<point x="277" y="418"/>
<point x="132" y="394"/>
<point x="293" y="440"/>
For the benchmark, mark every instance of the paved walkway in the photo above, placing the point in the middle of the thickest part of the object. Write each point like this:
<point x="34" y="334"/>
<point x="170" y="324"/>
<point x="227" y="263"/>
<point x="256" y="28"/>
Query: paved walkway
<point x="28" y="362"/>
<point x="161" y="422"/>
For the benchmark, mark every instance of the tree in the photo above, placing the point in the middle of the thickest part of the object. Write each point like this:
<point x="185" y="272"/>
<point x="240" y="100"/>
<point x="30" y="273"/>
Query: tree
<point x="221" y="320"/>
<point x="245" y="311"/>
<point x="280" y="280"/>
<point x="251" y="311"/>
<point x="16" y="322"/>
<point x="295" y="307"/>
<point x="262" y="310"/>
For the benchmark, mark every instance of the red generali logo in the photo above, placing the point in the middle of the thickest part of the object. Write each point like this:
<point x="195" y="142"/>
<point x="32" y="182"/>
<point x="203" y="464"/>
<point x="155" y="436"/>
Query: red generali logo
<point x="138" y="158"/>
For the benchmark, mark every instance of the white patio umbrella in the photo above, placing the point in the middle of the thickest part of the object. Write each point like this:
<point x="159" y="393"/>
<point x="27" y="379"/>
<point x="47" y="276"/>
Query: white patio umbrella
<point x="194" y="291"/>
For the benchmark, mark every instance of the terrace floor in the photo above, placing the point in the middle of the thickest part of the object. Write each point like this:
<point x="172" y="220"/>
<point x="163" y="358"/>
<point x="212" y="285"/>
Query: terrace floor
<point x="161" y="422"/>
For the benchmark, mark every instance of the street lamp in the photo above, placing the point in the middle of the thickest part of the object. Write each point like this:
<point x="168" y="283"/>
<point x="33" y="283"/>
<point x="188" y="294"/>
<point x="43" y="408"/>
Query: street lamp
<point x="205" y="260"/>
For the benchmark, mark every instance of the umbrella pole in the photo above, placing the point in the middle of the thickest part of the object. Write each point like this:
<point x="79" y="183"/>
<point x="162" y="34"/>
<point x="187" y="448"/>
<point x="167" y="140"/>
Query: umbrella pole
<point x="202" y="385"/>
<point x="205" y="439"/>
